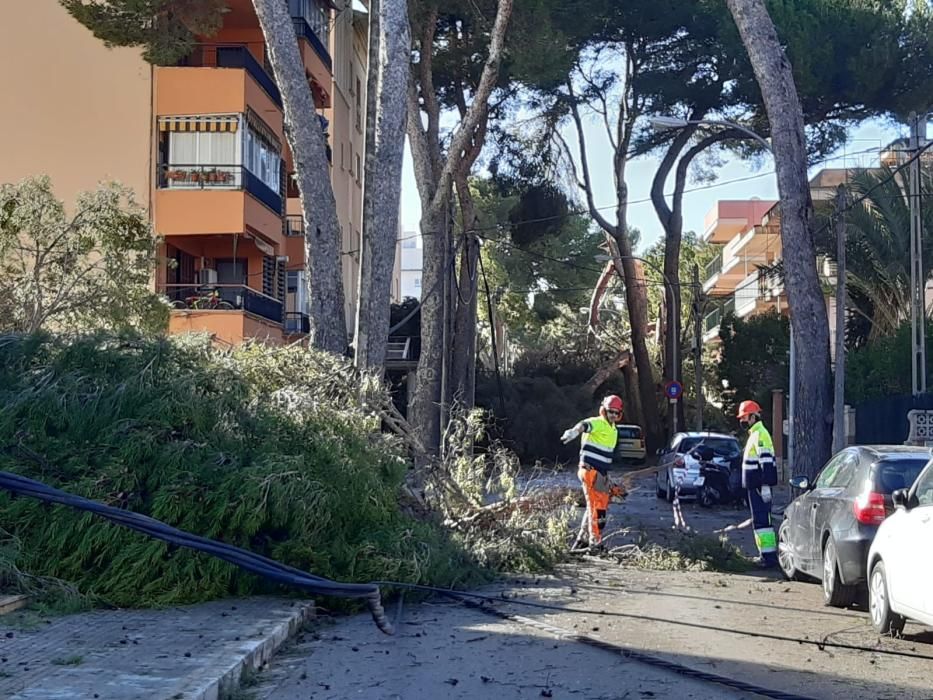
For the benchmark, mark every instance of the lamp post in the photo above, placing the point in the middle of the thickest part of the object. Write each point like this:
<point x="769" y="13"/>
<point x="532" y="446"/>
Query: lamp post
<point x="662" y="123"/>
<point x="674" y="311"/>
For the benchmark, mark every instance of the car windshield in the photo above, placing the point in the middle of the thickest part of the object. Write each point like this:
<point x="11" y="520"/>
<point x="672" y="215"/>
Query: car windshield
<point x="723" y="447"/>
<point x="894" y="474"/>
<point x="630" y="433"/>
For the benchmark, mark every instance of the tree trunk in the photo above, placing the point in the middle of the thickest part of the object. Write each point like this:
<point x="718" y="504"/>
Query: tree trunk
<point x="672" y="221"/>
<point x="805" y="298"/>
<point x="319" y="209"/>
<point x="386" y="121"/>
<point x="464" y="345"/>
<point x="425" y="408"/>
<point x="435" y="176"/>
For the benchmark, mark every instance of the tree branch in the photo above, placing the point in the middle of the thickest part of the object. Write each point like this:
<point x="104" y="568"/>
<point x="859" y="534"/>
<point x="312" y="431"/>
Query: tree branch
<point x="585" y="167"/>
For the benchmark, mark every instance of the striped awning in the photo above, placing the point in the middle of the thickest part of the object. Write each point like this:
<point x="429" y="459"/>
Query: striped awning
<point x="264" y="131"/>
<point x="212" y="123"/>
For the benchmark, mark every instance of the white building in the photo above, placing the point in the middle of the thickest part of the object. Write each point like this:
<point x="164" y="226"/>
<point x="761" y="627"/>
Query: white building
<point x="410" y="255"/>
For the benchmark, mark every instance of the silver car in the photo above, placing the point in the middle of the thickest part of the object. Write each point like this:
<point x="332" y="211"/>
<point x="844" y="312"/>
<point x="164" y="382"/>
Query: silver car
<point x="686" y="471"/>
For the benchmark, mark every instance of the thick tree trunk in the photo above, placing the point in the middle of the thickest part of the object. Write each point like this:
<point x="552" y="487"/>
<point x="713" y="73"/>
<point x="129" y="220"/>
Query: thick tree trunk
<point x="425" y="404"/>
<point x="812" y="433"/>
<point x="464" y="345"/>
<point x="319" y="209"/>
<point x="386" y="121"/>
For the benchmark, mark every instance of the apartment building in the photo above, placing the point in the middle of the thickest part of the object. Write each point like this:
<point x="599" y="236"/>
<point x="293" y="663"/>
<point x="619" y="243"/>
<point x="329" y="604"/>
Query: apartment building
<point x="739" y="280"/>
<point x="202" y="145"/>
<point x="409" y="253"/>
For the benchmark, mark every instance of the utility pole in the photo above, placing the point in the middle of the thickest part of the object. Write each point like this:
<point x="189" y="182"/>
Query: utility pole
<point x="918" y="364"/>
<point x="839" y="401"/>
<point x="698" y="344"/>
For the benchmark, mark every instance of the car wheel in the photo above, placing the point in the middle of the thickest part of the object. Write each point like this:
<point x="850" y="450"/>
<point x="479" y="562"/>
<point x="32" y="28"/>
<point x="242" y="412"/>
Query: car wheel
<point x="785" y="555"/>
<point x="835" y="593"/>
<point x="669" y="493"/>
<point x="883" y="619"/>
<point x="659" y="490"/>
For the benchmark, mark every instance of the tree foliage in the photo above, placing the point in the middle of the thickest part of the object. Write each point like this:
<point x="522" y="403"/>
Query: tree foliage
<point x="89" y="268"/>
<point x="754" y="360"/>
<point x="276" y="451"/>
<point x="879" y="368"/>
<point x="165" y="29"/>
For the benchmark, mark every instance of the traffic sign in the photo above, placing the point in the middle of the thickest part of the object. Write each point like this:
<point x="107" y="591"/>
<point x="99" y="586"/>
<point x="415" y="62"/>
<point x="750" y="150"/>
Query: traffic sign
<point x="673" y="390"/>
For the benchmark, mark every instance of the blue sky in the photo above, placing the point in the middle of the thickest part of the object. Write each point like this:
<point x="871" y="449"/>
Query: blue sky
<point x="750" y="181"/>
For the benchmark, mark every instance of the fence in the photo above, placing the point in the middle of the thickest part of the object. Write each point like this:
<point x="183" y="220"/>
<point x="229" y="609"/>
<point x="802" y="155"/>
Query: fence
<point x="883" y="421"/>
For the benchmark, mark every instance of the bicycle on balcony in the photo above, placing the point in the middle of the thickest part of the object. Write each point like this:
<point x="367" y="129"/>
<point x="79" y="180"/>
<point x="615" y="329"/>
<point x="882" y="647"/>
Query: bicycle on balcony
<point x="207" y="301"/>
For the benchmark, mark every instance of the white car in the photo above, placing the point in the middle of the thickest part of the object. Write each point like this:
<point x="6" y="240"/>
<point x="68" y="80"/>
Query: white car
<point x="900" y="579"/>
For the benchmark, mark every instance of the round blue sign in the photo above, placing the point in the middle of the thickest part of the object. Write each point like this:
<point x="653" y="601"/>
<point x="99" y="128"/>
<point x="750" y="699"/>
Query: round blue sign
<point x="673" y="390"/>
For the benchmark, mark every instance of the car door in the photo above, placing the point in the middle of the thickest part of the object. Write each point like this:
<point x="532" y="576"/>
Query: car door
<point x="821" y="502"/>
<point x="667" y="459"/>
<point x="918" y="531"/>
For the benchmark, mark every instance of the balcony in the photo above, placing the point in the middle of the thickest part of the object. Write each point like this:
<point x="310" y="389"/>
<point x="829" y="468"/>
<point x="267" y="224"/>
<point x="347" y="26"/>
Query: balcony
<point x="218" y="177"/>
<point x="223" y="297"/>
<point x="294" y="226"/>
<point x="713" y="268"/>
<point x="714" y="319"/>
<point x="304" y="31"/>
<point x="233" y="56"/>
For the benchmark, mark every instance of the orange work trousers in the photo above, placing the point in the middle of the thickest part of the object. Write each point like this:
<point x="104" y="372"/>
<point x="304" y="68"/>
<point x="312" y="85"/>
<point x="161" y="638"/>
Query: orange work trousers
<point x="596" y="491"/>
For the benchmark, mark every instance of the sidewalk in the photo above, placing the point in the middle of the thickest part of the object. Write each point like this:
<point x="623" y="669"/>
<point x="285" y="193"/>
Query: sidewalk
<point x="189" y="653"/>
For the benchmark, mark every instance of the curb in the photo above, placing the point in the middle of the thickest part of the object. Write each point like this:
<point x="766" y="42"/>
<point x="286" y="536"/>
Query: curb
<point x="260" y="651"/>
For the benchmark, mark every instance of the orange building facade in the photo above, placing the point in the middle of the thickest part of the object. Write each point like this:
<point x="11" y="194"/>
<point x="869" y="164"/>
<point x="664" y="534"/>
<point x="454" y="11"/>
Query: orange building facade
<point x="202" y="145"/>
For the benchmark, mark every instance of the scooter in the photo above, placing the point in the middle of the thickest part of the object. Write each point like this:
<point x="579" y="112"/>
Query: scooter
<point x="716" y="484"/>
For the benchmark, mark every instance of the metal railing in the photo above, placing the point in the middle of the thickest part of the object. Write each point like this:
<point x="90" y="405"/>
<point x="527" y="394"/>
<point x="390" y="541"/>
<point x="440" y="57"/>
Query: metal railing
<point x="225" y="177"/>
<point x="398" y="348"/>
<point x="305" y="31"/>
<point x="297" y="322"/>
<point x="713" y="267"/>
<point x="294" y="225"/>
<point x="233" y="56"/>
<point x="715" y="317"/>
<point x="223" y="297"/>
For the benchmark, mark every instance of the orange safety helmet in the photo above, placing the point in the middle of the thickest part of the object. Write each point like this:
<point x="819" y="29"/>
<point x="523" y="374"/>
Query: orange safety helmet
<point x="612" y="403"/>
<point x="747" y="408"/>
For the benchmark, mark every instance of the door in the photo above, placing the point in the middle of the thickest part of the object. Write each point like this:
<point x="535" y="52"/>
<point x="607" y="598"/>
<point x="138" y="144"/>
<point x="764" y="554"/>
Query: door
<point x="918" y="578"/>
<point x="819" y="505"/>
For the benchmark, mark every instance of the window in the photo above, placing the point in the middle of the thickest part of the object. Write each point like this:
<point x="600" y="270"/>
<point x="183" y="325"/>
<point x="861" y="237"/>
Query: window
<point x="837" y="471"/>
<point x="359" y="168"/>
<point x="295" y="293"/>
<point x="261" y="159"/>
<point x="358" y="96"/>
<point x="629" y="432"/>
<point x="193" y="155"/>
<point x="722" y="447"/>
<point x="924" y="490"/>
<point x="416" y="283"/>
<point x="894" y="474"/>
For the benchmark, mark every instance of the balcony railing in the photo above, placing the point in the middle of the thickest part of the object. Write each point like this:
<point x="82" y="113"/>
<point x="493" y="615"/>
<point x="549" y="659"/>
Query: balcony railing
<point x="297" y="322"/>
<point x="233" y="56"/>
<point x="223" y="297"/>
<point x="716" y="316"/>
<point x="713" y="267"/>
<point x="223" y="177"/>
<point x="294" y="225"/>
<point x="304" y="30"/>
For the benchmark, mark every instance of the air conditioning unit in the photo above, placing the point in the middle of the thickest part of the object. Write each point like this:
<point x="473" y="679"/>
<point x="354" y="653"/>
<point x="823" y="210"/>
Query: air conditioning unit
<point x="207" y="276"/>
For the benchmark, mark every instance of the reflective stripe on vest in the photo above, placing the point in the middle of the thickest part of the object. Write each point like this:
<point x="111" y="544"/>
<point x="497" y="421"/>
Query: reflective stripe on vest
<point x="598" y="443"/>
<point x="765" y="540"/>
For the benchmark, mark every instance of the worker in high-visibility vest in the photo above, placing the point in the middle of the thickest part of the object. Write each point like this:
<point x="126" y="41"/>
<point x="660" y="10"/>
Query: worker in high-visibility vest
<point x="759" y="474"/>
<point x="596" y="453"/>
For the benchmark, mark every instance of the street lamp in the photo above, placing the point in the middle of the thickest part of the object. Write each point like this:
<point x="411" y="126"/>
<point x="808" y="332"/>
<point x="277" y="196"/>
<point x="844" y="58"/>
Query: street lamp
<point x="674" y="311"/>
<point x="662" y="123"/>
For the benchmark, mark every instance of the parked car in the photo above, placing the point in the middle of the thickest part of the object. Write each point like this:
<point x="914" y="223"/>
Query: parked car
<point x="901" y="568"/>
<point x="630" y="447"/>
<point x="827" y="531"/>
<point x="726" y="451"/>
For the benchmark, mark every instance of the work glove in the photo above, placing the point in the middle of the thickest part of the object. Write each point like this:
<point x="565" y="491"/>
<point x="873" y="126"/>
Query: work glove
<point x="766" y="494"/>
<point x="569" y="435"/>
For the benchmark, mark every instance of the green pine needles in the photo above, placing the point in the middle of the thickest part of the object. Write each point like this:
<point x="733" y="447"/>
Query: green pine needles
<point x="271" y="450"/>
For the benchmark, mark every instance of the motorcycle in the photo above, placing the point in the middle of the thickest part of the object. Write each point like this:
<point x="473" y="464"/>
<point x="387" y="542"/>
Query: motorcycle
<point x="716" y="484"/>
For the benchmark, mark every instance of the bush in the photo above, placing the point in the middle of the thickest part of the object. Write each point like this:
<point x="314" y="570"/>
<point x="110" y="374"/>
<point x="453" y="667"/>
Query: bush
<point x="271" y="450"/>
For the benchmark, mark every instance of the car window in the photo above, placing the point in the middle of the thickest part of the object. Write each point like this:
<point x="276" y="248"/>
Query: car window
<point x="630" y="433"/>
<point x="827" y="477"/>
<point x="924" y="490"/>
<point x="894" y="474"/>
<point x="722" y="447"/>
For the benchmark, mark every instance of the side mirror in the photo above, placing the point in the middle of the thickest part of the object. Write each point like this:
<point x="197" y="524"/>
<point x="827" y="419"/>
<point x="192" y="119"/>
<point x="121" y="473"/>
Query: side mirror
<point x="800" y="482"/>
<point x="901" y="499"/>
<point x="659" y="451"/>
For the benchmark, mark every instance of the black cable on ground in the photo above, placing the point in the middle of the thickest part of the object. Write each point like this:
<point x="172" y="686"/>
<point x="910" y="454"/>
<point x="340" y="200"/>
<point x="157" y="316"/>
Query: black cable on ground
<point x="242" y="558"/>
